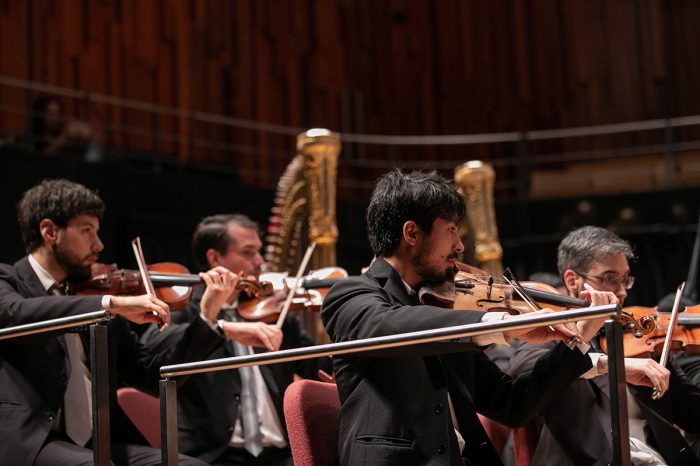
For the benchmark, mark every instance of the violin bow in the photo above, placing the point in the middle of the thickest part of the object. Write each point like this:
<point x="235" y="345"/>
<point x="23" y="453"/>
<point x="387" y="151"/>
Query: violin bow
<point x="531" y="302"/>
<point x="669" y="333"/>
<point x="145" y="277"/>
<point x="295" y="286"/>
<point x="519" y="289"/>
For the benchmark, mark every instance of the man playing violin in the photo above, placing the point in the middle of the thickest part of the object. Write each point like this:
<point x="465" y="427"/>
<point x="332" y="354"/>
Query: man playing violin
<point x="418" y="406"/>
<point x="45" y="407"/>
<point x="574" y="429"/>
<point x="235" y="417"/>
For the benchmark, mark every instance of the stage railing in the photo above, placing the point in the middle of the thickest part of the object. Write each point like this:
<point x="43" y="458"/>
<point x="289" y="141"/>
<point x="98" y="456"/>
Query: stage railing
<point x="99" y="369"/>
<point x="620" y="428"/>
<point x="371" y="154"/>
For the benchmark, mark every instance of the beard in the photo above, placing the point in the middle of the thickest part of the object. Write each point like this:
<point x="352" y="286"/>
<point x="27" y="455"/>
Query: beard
<point x="429" y="272"/>
<point x="77" y="272"/>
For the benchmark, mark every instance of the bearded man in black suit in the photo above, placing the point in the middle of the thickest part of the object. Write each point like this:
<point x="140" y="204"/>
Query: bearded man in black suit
<point x="417" y="406"/>
<point x="45" y="406"/>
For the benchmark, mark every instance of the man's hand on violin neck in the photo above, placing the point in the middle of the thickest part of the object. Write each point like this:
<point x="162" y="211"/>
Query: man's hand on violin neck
<point x="588" y="328"/>
<point x="221" y="284"/>
<point x="546" y="333"/>
<point x="142" y="309"/>
<point x="598" y="298"/>
<point x="256" y="334"/>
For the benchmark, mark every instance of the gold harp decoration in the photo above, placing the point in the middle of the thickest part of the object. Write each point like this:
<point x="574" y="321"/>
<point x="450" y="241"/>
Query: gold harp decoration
<point x="305" y="211"/>
<point x="321" y="148"/>
<point x="475" y="180"/>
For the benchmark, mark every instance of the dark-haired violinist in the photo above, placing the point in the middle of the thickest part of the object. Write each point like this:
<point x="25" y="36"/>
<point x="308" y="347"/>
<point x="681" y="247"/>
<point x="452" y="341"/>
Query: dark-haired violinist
<point x="45" y="410"/>
<point x="418" y="406"/>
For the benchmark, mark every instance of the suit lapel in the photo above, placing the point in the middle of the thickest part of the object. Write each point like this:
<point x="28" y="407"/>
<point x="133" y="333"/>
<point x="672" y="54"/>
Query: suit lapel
<point x="29" y="278"/>
<point x="33" y="285"/>
<point x="385" y="274"/>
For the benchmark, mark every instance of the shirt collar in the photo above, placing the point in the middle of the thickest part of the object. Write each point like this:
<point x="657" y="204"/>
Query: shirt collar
<point x="230" y="310"/>
<point x="409" y="290"/>
<point x="47" y="281"/>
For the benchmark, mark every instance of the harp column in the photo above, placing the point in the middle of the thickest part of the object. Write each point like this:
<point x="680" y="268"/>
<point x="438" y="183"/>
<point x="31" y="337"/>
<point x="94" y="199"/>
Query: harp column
<point x="320" y="149"/>
<point x="476" y="179"/>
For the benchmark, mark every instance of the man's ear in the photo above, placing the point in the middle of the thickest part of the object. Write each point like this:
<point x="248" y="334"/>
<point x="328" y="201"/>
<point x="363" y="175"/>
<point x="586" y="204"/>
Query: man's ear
<point x="49" y="231"/>
<point x="212" y="257"/>
<point x="411" y="232"/>
<point x="571" y="282"/>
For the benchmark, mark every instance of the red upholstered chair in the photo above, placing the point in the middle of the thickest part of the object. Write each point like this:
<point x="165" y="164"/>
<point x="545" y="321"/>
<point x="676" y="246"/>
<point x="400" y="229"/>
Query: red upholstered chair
<point x="524" y="443"/>
<point x="144" y="412"/>
<point x="498" y="433"/>
<point x="311" y="410"/>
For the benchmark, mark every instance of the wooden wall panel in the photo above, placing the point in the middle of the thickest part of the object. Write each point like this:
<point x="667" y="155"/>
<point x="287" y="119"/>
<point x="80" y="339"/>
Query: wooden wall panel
<point x="386" y="67"/>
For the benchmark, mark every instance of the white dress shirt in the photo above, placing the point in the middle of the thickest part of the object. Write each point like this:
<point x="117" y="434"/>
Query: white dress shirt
<point x="270" y="423"/>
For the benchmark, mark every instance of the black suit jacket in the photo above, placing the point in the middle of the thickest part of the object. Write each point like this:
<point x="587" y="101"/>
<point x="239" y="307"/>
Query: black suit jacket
<point x="208" y="403"/>
<point x="574" y="429"/>
<point x="394" y="410"/>
<point x="34" y="371"/>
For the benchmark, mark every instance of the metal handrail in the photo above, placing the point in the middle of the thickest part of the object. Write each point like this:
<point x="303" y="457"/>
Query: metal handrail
<point x="54" y="324"/>
<point x="619" y="422"/>
<point x="99" y="369"/>
<point x="390" y="341"/>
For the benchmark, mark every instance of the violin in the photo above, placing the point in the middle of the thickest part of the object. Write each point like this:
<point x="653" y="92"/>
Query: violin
<point x="491" y="294"/>
<point x="172" y="281"/>
<point x="685" y="336"/>
<point x="312" y="289"/>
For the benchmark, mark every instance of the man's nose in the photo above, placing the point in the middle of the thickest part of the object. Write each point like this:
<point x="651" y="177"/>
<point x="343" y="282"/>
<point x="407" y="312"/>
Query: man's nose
<point x="621" y="292"/>
<point x="459" y="247"/>
<point x="97" y="245"/>
<point x="259" y="260"/>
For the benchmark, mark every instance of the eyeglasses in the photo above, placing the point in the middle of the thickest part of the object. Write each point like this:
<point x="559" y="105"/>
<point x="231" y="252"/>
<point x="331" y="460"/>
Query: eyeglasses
<point x="611" y="280"/>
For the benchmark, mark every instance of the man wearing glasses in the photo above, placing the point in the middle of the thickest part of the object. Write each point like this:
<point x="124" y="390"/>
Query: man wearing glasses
<point x="575" y="428"/>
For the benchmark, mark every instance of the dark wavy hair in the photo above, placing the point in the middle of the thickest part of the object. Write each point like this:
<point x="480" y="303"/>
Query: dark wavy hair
<point x="399" y="197"/>
<point x="57" y="200"/>
<point x="212" y="233"/>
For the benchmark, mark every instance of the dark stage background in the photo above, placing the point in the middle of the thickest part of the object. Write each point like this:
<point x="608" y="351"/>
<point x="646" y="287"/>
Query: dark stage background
<point x="207" y="96"/>
<point x="162" y="203"/>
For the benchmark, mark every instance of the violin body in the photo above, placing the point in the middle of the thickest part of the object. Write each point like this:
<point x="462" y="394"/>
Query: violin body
<point x="110" y="279"/>
<point x="479" y="293"/>
<point x="309" y="295"/>
<point x="172" y="282"/>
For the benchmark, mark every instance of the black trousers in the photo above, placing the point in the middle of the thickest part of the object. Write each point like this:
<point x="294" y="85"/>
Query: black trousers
<point x="60" y="452"/>
<point x="270" y="456"/>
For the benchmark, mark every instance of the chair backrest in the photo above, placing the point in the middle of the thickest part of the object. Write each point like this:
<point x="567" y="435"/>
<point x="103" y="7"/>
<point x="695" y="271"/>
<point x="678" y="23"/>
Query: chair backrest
<point x="524" y="443"/>
<point x="311" y="411"/>
<point x="144" y="412"/>
<point x="498" y="433"/>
